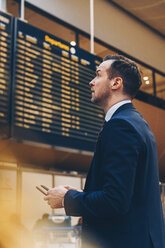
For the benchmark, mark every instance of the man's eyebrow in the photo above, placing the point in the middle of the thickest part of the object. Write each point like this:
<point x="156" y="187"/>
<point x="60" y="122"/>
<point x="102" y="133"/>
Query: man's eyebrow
<point x="97" y="70"/>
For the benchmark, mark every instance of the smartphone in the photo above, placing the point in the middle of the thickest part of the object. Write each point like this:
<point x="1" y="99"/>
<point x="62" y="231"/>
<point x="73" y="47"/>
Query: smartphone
<point x="43" y="192"/>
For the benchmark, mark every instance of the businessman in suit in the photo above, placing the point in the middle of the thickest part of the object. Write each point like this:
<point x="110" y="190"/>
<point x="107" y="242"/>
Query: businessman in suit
<point x="120" y="204"/>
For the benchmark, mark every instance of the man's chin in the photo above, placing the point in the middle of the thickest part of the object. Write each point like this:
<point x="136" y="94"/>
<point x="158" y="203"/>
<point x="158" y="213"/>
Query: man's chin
<point x="94" y="100"/>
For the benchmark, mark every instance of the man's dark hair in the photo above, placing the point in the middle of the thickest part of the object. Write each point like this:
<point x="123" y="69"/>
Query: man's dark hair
<point x="128" y="71"/>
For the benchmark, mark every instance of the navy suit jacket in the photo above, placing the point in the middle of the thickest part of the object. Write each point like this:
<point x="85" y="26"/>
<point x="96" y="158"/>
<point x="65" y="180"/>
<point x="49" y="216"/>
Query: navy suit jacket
<point x="121" y="205"/>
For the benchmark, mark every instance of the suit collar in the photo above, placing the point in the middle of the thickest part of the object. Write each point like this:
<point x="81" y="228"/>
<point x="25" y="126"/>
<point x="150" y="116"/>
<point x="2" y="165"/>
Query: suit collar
<point x="123" y="107"/>
<point x="113" y="109"/>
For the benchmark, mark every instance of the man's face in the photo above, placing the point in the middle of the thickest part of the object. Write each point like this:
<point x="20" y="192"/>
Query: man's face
<point x="100" y="85"/>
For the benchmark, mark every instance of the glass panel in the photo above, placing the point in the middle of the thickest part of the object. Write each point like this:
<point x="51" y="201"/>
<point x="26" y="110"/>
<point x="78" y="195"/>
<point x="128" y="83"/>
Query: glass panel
<point x="102" y="51"/>
<point x="84" y="42"/>
<point x="99" y="50"/>
<point x="7" y="194"/>
<point x="67" y="180"/>
<point x="12" y="7"/>
<point x="33" y="205"/>
<point x="9" y="220"/>
<point x="160" y="85"/>
<point x="147" y="80"/>
<point x="49" y="25"/>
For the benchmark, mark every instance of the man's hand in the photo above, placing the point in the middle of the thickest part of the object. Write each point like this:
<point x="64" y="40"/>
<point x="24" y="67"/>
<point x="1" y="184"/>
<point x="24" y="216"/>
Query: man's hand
<point x="55" y="196"/>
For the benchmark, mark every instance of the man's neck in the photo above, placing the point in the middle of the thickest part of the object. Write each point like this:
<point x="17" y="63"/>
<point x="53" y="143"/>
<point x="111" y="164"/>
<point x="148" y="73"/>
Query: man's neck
<point x="113" y="101"/>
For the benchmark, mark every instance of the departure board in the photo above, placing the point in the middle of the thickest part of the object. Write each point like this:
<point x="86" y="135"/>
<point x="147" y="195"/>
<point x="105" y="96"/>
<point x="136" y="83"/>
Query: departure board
<point x="51" y="91"/>
<point x="5" y="72"/>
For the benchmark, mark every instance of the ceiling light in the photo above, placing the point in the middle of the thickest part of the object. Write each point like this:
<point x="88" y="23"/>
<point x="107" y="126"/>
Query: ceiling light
<point x="145" y="78"/>
<point x="72" y="50"/>
<point x="73" y="43"/>
<point x="147" y="82"/>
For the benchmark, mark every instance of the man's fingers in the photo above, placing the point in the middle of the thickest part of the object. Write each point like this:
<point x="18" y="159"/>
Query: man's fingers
<point x="70" y="187"/>
<point x="46" y="198"/>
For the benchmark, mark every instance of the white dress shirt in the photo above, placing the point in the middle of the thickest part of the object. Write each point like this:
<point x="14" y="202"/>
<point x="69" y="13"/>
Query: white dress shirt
<point x="113" y="109"/>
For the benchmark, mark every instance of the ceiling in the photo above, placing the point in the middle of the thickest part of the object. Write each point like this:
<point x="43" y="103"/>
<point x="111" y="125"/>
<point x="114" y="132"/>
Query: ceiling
<point x="151" y="12"/>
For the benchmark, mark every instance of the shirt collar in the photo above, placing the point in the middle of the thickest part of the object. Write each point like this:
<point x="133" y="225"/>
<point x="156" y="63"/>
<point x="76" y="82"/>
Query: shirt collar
<point x="113" y="109"/>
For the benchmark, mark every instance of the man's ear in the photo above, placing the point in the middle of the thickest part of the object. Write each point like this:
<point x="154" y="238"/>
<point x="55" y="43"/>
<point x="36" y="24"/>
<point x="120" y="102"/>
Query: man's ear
<point x="117" y="83"/>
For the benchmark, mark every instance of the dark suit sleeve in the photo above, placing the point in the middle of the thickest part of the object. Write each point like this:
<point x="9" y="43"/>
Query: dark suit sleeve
<point x="120" y="151"/>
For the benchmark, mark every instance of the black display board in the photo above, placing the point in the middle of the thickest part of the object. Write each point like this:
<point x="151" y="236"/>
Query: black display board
<point x="5" y="72"/>
<point x="51" y="91"/>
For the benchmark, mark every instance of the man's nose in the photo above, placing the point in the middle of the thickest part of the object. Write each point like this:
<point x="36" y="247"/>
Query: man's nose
<point x="91" y="83"/>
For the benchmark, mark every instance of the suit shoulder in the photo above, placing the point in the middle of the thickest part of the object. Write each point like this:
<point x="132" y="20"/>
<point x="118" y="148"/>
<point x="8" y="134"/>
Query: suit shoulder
<point x="122" y="126"/>
<point x="133" y="119"/>
<point x="118" y="122"/>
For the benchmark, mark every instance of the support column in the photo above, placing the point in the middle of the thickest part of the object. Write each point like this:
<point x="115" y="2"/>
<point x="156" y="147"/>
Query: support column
<point x="3" y="5"/>
<point x="92" y="25"/>
<point x="19" y="189"/>
<point x="22" y="10"/>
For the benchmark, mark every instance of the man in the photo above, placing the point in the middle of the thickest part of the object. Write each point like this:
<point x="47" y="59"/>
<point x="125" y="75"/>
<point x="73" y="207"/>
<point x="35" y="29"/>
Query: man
<point x="120" y="205"/>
